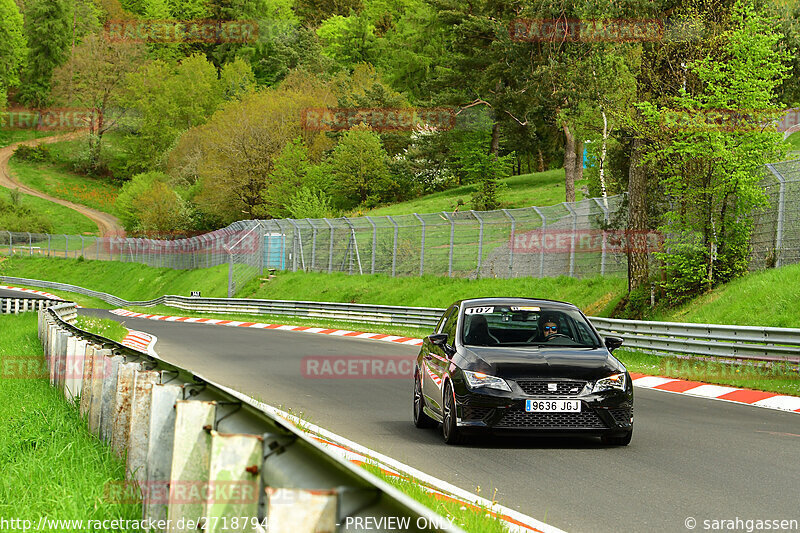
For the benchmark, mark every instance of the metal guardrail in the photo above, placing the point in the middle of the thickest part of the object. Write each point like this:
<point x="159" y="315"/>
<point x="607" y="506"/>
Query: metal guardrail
<point x="738" y="342"/>
<point x="179" y="430"/>
<point x="10" y="306"/>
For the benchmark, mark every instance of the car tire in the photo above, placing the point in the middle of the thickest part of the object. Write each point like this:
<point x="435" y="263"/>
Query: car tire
<point x="421" y="420"/>
<point x="618" y="440"/>
<point x="450" y="430"/>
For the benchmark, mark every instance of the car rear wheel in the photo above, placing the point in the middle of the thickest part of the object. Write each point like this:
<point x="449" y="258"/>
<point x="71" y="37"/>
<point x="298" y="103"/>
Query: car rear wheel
<point x="618" y="440"/>
<point x="421" y="420"/>
<point x="450" y="430"/>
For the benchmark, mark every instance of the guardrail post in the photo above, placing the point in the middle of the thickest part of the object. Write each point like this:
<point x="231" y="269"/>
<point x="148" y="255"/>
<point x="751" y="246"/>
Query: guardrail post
<point x="421" y="245"/>
<point x="394" y="246"/>
<point x="191" y="455"/>
<point x="511" y="242"/>
<point x="781" y="213"/>
<point x="374" y="243"/>
<point x="161" y="437"/>
<point x="122" y="407"/>
<point x="111" y="364"/>
<point x="139" y="431"/>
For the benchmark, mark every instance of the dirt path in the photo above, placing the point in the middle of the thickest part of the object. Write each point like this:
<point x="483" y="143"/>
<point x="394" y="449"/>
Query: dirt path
<point x="108" y="225"/>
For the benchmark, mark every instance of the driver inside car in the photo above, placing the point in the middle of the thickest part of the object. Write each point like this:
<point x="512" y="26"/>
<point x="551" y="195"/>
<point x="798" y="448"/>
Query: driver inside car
<point x="549" y="329"/>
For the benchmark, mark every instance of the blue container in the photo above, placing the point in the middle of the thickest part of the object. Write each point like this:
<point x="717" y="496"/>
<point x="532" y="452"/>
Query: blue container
<point x="275" y="251"/>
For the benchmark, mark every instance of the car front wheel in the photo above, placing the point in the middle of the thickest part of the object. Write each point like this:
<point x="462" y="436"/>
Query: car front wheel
<point x="450" y="430"/>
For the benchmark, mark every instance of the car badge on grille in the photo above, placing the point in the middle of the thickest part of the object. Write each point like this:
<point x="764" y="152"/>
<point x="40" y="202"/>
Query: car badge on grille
<point x="574" y="389"/>
<point x="552" y="387"/>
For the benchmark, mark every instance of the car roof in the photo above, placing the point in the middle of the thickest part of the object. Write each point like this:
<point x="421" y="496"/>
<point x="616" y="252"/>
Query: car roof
<point x="553" y="304"/>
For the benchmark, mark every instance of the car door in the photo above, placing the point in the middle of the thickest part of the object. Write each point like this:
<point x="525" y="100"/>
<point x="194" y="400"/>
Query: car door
<point x="432" y="364"/>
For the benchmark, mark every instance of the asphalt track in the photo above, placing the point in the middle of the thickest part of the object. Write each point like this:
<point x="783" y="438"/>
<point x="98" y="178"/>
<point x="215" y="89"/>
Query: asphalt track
<point x="690" y="457"/>
<point x="5" y="293"/>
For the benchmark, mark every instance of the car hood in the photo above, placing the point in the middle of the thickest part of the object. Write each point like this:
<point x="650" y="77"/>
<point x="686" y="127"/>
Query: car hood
<point x="530" y="362"/>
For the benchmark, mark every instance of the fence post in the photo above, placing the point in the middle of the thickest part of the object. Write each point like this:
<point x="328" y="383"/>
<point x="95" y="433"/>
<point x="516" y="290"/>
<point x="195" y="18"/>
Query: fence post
<point x="572" y="239"/>
<point x="330" y="247"/>
<point x="10" y="244"/>
<point x="394" y="247"/>
<point x="511" y="243"/>
<point x="30" y="243"/>
<point x="48" y="245"/>
<point x="781" y="212"/>
<point x="231" y="289"/>
<point x="452" y="235"/>
<point x="374" y="242"/>
<point x="421" y="246"/>
<point x="296" y="242"/>
<point x="604" y="208"/>
<point x="83" y="248"/>
<point x="66" y="246"/>
<point x="541" y="240"/>
<point x="313" y="244"/>
<point x="480" y="242"/>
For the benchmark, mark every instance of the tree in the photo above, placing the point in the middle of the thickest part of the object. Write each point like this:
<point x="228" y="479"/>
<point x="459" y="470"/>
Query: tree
<point x="93" y="79"/>
<point x="315" y="11"/>
<point x="48" y="27"/>
<point x="12" y="47"/>
<point x="358" y="164"/>
<point x="165" y="101"/>
<point x="234" y="155"/>
<point x="710" y="159"/>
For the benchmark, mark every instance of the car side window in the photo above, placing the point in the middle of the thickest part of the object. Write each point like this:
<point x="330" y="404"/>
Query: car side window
<point x="450" y="326"/>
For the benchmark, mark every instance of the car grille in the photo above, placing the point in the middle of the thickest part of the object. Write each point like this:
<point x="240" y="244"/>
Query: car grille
<point x="536" y="387"/>
<point x="517" y="418"/>
<point x="475" y="413"/>
<point x="622" y="416"/>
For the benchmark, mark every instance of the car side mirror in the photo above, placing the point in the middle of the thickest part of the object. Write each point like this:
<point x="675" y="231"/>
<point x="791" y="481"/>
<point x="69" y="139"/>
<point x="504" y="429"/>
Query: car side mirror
<point x="438" y="339"/>
<point x="612" y="343"/>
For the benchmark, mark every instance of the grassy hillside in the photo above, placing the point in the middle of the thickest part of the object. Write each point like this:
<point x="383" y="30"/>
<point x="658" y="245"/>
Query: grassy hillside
<point x="64" y="219"/>
<point x="61" y="183"/>
<point x="769" y="297"/>
<point x="131" y="281"/>
<point x="539" y="189"/>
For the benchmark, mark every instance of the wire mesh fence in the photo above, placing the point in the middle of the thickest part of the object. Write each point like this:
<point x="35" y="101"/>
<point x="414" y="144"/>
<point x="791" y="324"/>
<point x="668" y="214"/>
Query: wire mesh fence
<point x="578" y="239"/>
<point x="776" y="229"/>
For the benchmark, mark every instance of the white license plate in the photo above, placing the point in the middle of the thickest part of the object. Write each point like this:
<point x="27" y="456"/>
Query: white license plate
<point x="553" y="406"/>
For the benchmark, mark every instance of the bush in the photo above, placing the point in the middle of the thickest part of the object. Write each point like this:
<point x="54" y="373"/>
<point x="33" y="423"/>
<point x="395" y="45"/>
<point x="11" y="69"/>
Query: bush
<point x="36" y="154"/>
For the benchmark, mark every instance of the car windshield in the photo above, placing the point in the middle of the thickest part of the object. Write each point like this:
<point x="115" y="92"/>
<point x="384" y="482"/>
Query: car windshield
<point x="526" y="325"/>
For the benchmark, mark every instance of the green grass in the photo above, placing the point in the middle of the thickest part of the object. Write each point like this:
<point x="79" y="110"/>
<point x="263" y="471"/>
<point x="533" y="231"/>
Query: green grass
<point x="769" y="297"/>
<point x="64" y="220"/>
<point x="539" y="189"/>
<point x="131" y="281"/>
<point x="50" y="465"/>
<point x="110" y="329"/>
<point x="469" y="518"/>
<point x="61" y="183"/>
<point x="596" y="296"/>
<point x="794" y="144"/>
<point x="9" y="136"/>
<point x="781" y="379"/>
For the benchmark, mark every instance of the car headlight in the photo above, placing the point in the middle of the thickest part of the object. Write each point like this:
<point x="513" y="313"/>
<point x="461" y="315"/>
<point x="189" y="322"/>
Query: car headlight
<point x="477" y="380"/>
<point x="616" y="381"/>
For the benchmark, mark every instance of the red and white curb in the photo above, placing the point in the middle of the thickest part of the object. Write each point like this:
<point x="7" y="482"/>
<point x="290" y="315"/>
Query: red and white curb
<point x="768" y="400"/>
<point x="304" y="329"/>
<point x="515" y="521"/>
<point x="139" y="340"/>
<point x="32" y="291"/>
<point x="757" y="398"/>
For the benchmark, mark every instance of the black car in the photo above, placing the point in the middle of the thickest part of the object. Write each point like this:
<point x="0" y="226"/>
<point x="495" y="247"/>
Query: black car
<point x="511" y="365"/>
